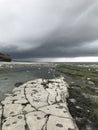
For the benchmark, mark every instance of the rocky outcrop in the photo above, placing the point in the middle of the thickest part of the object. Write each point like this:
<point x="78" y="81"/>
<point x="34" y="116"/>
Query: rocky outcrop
<point x="5" y="57"/>
<point x="37" y="105"/>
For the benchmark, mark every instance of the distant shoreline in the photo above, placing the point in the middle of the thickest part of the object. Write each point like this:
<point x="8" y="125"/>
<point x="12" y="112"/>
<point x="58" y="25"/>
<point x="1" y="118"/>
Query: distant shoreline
<point x="53" y="64"/>
<point x="13" y="62"/>
<point x="21" y="64"/>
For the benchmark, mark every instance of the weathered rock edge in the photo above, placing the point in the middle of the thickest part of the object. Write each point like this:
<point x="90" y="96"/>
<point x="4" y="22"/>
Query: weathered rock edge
<point x="37" y="105"/>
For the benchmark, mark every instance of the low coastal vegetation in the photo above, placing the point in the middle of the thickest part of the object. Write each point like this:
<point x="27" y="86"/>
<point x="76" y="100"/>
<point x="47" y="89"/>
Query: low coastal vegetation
<point x="83" y="94"/>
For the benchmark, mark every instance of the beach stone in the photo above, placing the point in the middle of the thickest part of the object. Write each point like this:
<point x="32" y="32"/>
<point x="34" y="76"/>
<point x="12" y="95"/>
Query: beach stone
<point x="91" y="83"/>
<point x="72" y="100"/>
<point x="88" y="78"/>
<point x="18" y="84"/>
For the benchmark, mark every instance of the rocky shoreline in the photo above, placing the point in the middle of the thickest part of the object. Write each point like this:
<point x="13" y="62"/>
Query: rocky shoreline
<point x="37" y="105"/>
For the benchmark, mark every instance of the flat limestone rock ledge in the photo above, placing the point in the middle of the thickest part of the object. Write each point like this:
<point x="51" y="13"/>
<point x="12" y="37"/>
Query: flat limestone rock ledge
<point x="37" y="105"/>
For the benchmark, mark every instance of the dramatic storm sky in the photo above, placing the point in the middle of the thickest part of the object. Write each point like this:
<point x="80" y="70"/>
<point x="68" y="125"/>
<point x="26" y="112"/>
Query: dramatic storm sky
<point x="49" y="28"/>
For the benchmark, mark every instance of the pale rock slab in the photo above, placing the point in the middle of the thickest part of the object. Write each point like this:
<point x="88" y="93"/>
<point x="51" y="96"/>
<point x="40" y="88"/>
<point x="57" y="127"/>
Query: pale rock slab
<point x="12" y="109"/>
<point x="36" y="120"/>
<point x="56" y="123"/>
<point x="52" y="95"/>
<point x="15" y="99"/>
<point x="21" y="101"/>
<point x="19" y="90"/>
<point x="28" y="108"/>
<point x="19" y="95"/>
<point x="37" y="96"/>
<point x="31" y="86"/>
<point x="7" y="100"/>
<point x="14" y="123"/>
<point x="58" y="97"/>
<point x="59" y="110"/>
<point x="37" y="105"/>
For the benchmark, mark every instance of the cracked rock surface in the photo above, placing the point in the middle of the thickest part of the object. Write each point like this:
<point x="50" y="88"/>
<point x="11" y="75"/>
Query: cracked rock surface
<point x="37" y="105"/>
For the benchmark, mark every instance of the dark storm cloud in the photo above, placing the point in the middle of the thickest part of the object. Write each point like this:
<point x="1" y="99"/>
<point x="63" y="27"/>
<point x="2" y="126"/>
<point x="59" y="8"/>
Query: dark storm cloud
<point x="49" y="28"/>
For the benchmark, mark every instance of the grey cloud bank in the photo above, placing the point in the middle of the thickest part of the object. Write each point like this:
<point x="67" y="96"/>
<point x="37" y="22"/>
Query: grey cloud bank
<point x="49" y="28"/>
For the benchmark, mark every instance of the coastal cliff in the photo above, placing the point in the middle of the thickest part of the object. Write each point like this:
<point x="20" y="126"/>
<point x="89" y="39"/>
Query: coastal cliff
<point x="37" y="105"/>
<point x="5" y="57"/>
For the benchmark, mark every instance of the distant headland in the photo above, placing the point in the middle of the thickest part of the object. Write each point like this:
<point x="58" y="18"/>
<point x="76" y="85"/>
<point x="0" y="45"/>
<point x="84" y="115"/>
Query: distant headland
<point x="5" y="57"/>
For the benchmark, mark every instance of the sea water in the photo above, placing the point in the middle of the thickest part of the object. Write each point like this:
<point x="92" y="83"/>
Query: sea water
<point x="10" y="76"/>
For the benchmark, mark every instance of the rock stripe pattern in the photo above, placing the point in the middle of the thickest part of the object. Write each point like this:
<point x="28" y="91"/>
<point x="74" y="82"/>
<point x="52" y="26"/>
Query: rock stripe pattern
<point x="37" y="105"/>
